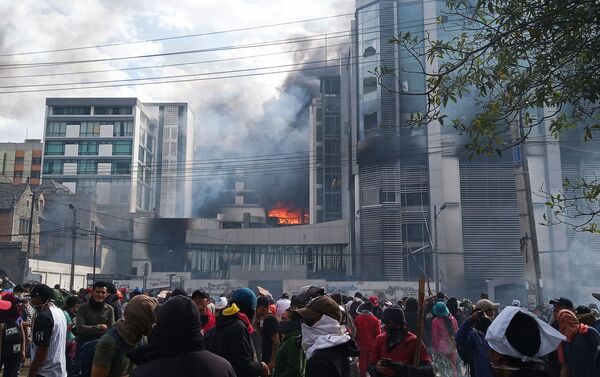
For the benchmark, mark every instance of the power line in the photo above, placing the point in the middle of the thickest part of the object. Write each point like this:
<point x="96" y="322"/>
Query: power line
<point x="206" y="33"/>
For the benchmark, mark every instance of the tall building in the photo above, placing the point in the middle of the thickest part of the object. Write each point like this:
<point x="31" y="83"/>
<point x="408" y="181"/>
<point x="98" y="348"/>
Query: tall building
<point x="176" y="154"/>
<point x="328" y="154"/>
<point x="133" y="157"/>
<point x="22" y="162"/>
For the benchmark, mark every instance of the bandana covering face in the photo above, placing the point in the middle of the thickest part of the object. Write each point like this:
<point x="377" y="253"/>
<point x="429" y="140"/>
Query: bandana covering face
<point x="326" y="333"/>
<point x="496" y="334"/>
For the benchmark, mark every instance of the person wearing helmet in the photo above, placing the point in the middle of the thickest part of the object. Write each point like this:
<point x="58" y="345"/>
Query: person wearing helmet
<point x="305" y="294"/>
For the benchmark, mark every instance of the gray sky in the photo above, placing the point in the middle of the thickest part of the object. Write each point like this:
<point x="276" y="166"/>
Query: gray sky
<point x="30" y="25"/>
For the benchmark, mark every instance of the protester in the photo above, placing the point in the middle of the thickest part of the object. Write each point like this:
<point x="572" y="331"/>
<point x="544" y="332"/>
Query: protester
<point x="283" y="304"/>
<point x="454" y="310"/>
<point x="305" y="294"/>
<point x="559" y="304"/>
<point x="394" y="351"/>
<point x="411" y="313"/>
<point x="367" y="330"/>
<point x="207" y="318"/>
<point x="490" y="309"/>
<point x="267" y="325"/>
<point x="377" y="311"/>
<point x="443" y="332"/>
<point x="95" y="316"/>
<point x="472" y="346"/>
<point x="48" y="353"/>
<point x="329" y="349"/>
<point x="12" y="352"/>
<point x="70" y="312"/>
<point x="586" y="316"/>
<point x="290" y="360"/>
<point x="220" y="304"/>
<point x="231" y="339"/>
<point x="518" y="340"/>
<point x="354" y="304"/>
<point x="112" y="299"/>
<point x="110" y="355"/>
<point x="577" y="355"/>
<point x="176" y="345"/>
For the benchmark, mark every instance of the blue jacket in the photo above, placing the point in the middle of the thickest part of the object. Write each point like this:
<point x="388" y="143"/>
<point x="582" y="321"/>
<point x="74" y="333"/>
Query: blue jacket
<point x="474" y="350"/>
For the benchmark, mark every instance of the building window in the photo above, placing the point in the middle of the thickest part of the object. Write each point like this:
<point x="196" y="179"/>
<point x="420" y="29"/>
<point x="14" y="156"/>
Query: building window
<point x="36" y="161"/>
<point x="87" y="167"/>
<point x="23" y="226"/>
<point x="18" y="174"/>
<point x="122" y="147"/>
<point x="35" y="174"/>
<point x="19" y="160"/>
<point x="387" y="197"/>
<point x="71" y="110"/>
<point x="369" y="85"/>
<point x="56" y="129"/>
<point x="141" y="153"/>
<point x="121" y="167"/>
<point x="370" y="121"/>
<point x="86" y="186"/>
<point x="55" y="148"/>
<point x="150" y="142"/>
<point x="109" y="110"/>
<point x="89" y="129"/>
<point x="53" y="167"/>
<point x="123" y="129"/>
<point x="88" y="148"/>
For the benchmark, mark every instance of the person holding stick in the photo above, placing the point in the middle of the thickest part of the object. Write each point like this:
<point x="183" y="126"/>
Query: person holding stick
<point x="394" y="351"/>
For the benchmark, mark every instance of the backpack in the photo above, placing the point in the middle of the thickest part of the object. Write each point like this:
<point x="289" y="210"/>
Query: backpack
<point x="85" y="354"/>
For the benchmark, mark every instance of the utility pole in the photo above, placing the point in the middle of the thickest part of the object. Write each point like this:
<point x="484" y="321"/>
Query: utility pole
<point x="529" y="244"/>
<point x="25" y="260"/>
<point x="73" y="238"/>
<point x="95" y="248"/>
<point x="436" y="250"/>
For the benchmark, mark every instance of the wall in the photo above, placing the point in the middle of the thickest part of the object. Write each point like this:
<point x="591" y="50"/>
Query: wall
<point x="51" y="273"/>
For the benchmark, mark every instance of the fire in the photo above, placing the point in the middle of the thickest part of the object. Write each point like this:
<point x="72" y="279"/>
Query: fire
<point x="288" y="215"/>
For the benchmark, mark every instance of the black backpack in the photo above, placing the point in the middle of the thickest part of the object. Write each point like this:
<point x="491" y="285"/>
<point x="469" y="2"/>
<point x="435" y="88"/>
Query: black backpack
<point x="85" y="354"/>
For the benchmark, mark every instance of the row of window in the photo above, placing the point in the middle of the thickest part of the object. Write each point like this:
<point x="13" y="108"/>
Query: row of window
<point x="119" y="147"/>
<point x="87" y="110"/>
<point x="59" y="129"/>
<point x="86" y="166"/>
<point x="33" y="174"/>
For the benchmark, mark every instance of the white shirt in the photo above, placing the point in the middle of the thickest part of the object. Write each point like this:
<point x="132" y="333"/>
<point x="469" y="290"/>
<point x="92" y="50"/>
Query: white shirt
<point x="55" y="364"/>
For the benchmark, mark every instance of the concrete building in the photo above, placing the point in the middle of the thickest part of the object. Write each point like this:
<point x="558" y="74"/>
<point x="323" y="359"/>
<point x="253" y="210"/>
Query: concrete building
<point x="22" y="162"/>
<point x="133" y="157"/>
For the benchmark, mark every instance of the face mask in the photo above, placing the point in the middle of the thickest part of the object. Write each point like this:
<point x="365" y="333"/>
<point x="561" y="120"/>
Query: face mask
<point x="287" y="327"/>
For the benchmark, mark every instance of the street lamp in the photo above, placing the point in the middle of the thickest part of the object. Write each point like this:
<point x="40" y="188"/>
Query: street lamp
<point x="73" y="238"/>
<point x="436" y="251"/>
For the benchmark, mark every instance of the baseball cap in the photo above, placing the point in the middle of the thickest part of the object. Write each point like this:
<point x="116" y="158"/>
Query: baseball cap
<point x="562" y="301"/>
<point x="41" y="290"/>
<point x="485" y="305"/>
<point x="323" y="305"/>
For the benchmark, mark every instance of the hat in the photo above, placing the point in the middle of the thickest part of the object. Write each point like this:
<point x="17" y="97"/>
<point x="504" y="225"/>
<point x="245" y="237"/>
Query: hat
<point x="42" y="291"/>
<point x="374" y="300"/>
<point x="513" y="333"/>
<point x="323" y="305"/>
<point x="5" y="304"/>
<point x="263" y="301"/>
<point x="562" y="301"/>
<point x="221" y="303"/>
<point x="244" y="297"/>
<point x="516" y="303"/>
<point x="393" y="314"/>
<point x="485" y="305"/>
<point x="596" y="296"/>
<point x="440" y="310"/>
<point x="306" y="293"/>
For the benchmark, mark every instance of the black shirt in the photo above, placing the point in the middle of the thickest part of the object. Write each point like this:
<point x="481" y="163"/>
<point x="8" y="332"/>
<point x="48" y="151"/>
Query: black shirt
<point x="269" y="328"/>
<point x="42" y="329"/>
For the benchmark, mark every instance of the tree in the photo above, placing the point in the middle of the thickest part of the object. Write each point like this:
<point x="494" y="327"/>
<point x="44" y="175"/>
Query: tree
<point x="516" y="57"/>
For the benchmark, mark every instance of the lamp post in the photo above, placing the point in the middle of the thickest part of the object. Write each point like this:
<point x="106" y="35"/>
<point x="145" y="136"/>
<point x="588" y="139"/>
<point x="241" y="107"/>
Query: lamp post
<point x="436" y="250"/>
<point x="73" y="238"/>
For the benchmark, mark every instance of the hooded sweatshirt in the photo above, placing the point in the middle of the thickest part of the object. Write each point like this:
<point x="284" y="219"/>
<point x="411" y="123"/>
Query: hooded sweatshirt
<point x="176" y="345"/>
<point x="231" y="340"/>
<point x="579" y="351"/>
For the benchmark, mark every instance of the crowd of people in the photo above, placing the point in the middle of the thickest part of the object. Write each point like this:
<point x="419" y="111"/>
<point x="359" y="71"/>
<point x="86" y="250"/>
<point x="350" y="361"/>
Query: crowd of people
<point x="107" y="332"/>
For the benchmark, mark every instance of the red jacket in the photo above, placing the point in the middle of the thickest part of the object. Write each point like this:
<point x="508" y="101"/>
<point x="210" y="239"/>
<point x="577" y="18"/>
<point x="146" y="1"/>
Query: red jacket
<point x="367" y="330"/>
<point x="404" y="352"/>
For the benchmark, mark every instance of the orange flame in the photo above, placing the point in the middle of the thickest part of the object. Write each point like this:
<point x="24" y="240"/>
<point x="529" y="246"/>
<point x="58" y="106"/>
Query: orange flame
<point x="288" y="215"/>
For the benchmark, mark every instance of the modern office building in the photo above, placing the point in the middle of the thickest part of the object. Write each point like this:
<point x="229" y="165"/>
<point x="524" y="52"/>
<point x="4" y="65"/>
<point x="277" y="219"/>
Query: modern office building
<point x="329" y="155"/>
<point x="133" y="157"/>
<point x="22" y="162"/>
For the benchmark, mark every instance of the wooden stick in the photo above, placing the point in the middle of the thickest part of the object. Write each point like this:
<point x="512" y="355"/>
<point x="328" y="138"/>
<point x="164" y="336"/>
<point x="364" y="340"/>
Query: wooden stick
<point x="420" y="320"/>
